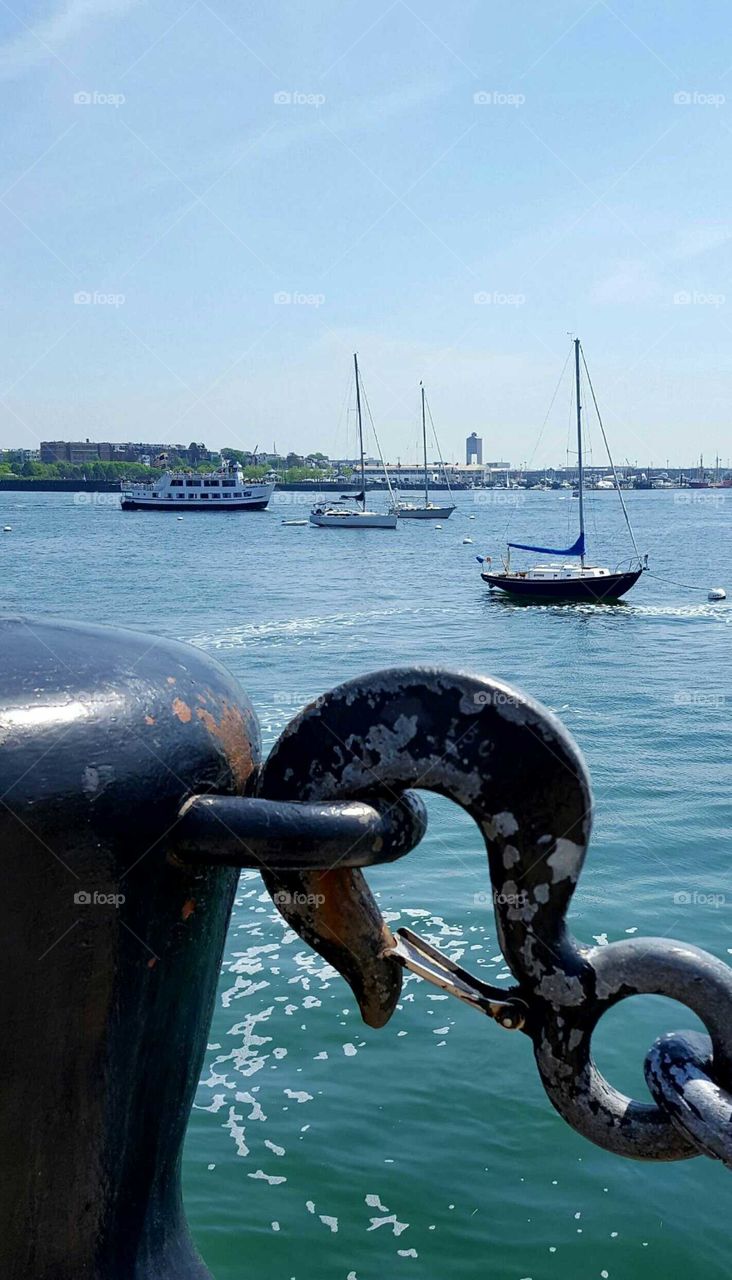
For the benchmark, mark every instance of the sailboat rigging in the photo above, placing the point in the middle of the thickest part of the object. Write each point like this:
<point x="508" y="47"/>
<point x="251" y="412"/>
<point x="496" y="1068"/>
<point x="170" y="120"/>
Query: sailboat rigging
<point x="343" y="517"/>
<point x="429" y="510"/>
<point x="558" y="580"/>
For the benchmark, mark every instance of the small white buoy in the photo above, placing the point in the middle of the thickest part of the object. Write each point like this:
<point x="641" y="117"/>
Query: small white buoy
<point x="716" y="593"/>
<point x="467" y="542"/>
<point x="471" y="517"/>
<point x="7" y="528"/>
<point x="179" y="517"/>
<point x="438" y="526"/>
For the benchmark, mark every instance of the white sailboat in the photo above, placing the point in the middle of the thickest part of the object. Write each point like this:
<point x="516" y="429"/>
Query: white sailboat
<point x="342" y="517"/>
<point x="428" y="510"/>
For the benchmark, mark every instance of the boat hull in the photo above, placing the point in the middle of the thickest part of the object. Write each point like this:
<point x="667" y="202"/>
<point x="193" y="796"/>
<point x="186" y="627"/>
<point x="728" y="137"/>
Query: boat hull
<point x="246" y="504"/>
<point x="353" y="520"/>
<point x="425" y="513"/>
<point x="609" y="587"/>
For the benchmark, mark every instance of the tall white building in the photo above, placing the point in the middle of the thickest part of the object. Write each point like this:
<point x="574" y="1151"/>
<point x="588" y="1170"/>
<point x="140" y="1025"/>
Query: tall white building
<point x="474" y="449"/>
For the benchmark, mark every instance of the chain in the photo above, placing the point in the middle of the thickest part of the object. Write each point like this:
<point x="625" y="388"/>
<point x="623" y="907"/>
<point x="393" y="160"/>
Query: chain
<point x="513" y="767"/>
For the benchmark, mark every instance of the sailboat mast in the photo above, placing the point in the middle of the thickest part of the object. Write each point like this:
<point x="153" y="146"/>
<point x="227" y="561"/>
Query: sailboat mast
<point x="580" y="481"/>
<point x="424" y="449"/>
<point x="360" y="431"/>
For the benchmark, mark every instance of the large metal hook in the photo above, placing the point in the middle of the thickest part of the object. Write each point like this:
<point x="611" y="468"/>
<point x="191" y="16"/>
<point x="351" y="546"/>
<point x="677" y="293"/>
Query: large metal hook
<point x="513" y="767"/>
<point x="507" y="761"/>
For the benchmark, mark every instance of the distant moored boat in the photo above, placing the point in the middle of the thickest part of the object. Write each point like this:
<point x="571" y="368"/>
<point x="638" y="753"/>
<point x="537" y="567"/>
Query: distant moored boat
<point x="356" y="517"/>
<point x="222" y="490"/>
<point x="428" y="510"/>
<point x="563" y="580"/>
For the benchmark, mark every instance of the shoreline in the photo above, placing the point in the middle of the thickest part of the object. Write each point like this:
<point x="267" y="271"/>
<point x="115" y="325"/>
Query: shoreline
<point x="23" y="484"/>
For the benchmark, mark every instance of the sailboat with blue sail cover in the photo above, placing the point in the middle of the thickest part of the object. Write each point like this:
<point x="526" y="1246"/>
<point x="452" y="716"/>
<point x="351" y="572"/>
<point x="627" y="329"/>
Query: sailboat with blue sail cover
<point x="564" y="578"/>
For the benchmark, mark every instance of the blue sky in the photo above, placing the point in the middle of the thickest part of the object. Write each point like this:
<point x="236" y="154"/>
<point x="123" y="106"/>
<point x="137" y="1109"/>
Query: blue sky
<point x="190" y="167"/>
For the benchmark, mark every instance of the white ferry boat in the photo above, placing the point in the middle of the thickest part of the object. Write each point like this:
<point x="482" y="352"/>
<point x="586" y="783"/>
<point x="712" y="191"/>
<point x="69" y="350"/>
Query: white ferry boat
<point x="223" y="490"/>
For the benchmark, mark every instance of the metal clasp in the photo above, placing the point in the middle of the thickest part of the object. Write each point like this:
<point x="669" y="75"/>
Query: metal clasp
<point x="420" y="957"/>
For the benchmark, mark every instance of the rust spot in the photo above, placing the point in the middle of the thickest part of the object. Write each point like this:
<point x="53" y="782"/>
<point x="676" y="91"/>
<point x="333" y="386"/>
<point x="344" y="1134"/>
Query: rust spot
<point x="336" y="914"/>
<point x="152" y="962"/>
<point x="182" y="710"/>
<point x="188" y="908"/>
<point x="232" y="734"/>
<point x="149" y="719"/>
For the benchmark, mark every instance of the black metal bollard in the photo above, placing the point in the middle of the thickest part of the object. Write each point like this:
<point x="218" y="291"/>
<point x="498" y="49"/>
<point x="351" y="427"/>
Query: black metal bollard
<point x="111" y="948"/>
<point x="124" y="817"/>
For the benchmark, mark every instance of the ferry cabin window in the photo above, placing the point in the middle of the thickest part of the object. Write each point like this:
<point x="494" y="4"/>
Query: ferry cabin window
<point x="211" y="484"/>
<point x="228" y="484"/>
<point x="176" y="484"/>
<point x="193" y="484"/>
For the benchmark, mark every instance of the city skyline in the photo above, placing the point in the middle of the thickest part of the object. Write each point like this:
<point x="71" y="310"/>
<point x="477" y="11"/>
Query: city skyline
<point x="78" y="452"/>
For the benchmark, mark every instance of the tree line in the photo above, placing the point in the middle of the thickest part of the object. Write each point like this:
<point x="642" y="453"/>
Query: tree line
<point x="14" y="466"/>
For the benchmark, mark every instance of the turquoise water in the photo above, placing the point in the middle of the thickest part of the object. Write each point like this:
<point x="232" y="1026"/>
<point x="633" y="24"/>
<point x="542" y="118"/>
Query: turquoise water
<point x="322" y="1150"/>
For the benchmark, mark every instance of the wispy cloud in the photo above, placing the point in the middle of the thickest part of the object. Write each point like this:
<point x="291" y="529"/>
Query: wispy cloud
<point x="48" y="37"/>
<point x="292" y="127"/>
<point x="631" y="281"/>
<point x="700" y="238"/>
<point x="355" y="116"/>
<point x="635" y="281"/>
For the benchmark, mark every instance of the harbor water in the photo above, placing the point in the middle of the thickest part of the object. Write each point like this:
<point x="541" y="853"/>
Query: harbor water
<point x="319" y="1149"/>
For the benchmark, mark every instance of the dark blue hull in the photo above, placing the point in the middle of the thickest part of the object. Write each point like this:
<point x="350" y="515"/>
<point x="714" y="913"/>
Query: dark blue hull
<point x="610" y="587"/>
